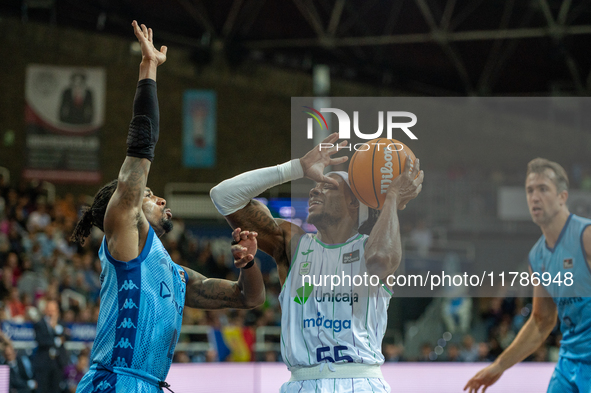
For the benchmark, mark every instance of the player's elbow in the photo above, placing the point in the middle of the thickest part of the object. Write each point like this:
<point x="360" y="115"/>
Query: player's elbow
<point x="254" y="301"/>
<point x="382" y="264"/>
<point x="544" y="321"/>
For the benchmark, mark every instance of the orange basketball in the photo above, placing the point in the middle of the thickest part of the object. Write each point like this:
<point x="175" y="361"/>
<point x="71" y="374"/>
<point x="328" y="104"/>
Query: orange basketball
<point x="373" y="167"/>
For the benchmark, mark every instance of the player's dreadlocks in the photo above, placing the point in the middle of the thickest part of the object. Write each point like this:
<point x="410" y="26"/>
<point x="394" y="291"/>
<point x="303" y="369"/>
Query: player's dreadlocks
<point x="95" y="214"/>
<point x="372" y="218"/>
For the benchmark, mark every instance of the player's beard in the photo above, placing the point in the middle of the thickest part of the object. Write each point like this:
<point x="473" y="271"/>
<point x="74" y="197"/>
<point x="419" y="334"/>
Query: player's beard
<point x="322" y="220"/>
<point x="166" y="224"/>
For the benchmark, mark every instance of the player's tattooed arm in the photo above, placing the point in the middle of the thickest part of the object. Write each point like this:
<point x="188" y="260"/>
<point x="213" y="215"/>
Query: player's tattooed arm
<point x="214" y="293"/>
<point x="383" y="251"/>
<point x="274" y="235"/>
<point x="125" y="225"/>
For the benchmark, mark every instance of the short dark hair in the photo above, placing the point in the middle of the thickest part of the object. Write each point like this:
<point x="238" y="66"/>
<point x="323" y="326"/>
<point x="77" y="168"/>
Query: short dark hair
<point x="95" y="214"/>
<point x="539" y="165"/>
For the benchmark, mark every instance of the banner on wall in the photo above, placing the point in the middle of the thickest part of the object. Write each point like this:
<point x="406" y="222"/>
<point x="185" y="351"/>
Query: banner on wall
<point x="64" y="113"/>
<point x="199" y="128"/>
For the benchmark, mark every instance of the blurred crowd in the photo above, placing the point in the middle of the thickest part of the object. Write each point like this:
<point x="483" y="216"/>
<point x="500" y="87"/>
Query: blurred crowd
<point x="50" y="282"/>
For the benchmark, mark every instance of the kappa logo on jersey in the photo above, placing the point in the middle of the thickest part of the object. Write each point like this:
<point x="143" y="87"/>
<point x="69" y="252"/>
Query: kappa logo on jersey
<point x="303" y="293"/>
<point x="128" y="304"/>
<point x="351" y="257"/>
<point x="305" y="268"/>
<point x="322" y="321"/>
<point x="120" y="362"/>
<point x="124" y="343"/>
<point x="307" y="252"/>
<point x="126" y="324"/>
<point x="127" y="285"/>
<point x="102" y="386"/>
<point x="568" y="263"/>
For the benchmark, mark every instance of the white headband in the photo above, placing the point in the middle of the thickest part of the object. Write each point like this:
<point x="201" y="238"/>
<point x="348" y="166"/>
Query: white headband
<point x="363" y="209"/>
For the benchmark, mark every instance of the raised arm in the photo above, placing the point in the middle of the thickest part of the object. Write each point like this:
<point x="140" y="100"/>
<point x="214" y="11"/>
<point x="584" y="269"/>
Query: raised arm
<point x="125" y="224"/>
<point x="233" y="199"/>
<point x="383" y="251"/>
<point x="533" y="334"/>
<point x="215" y="293"/>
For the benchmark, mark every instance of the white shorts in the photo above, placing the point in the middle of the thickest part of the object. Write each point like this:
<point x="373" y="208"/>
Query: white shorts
<point x="341" y="385"/>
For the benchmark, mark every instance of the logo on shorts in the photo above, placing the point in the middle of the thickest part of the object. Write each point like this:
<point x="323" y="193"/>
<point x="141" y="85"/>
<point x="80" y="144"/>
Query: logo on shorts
<point x="351" y="257"/>
<point x="102" y="386"/>
<point x="568" y="263"/>
<point x="303" y="293"/>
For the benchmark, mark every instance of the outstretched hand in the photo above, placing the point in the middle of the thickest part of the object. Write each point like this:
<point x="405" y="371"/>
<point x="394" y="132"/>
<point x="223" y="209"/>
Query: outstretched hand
<point x="246" y="248"/>
<point x="408" y="184"/>
<point x="484" y="378"/>
<point x="314" y="162"/>
<point x="145" y="38"/>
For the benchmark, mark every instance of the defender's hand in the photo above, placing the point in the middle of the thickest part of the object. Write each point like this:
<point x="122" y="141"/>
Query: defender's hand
<point x="485" y="377"/>
<point x="314" y="162"/>
<point x="149" y="52"/>
<point x="408" y="184"/>
<point x="245" y="250"/>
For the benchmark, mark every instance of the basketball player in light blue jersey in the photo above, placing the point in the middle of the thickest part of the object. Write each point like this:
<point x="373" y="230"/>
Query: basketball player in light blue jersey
<point x="330" y="340"/>
<point x="143" y="292"/>
<point x="563" y="253"/>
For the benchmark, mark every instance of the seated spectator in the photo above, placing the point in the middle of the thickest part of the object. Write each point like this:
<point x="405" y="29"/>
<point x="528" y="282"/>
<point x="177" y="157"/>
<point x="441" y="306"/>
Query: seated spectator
<point x="393" y="353"/>
<point x="425" y="353"/>
<point x="453" y="353"/>
<point x="21" y="371"/>
<point x="74" y="373"/>
<point x="469" y="351"/>
<point x="40" y="218"/>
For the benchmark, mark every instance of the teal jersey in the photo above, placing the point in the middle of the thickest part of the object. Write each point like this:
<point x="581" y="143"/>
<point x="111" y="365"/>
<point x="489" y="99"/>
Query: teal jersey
<point x="140" y="315"/>
<point x="568" y="259"/>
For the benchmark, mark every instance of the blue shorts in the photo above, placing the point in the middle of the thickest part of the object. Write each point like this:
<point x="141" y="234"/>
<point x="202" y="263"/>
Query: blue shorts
<point x="570" y="376"/>
<point x="101" y="381"/>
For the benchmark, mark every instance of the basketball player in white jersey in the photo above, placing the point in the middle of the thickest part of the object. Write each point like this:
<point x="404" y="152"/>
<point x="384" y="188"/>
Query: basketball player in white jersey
<point x="331" y="338"/>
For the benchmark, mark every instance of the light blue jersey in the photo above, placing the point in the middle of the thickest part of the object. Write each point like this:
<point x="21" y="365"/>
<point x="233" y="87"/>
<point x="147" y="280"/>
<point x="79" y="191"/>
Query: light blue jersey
<point x="139" y="322"/>
<point x="573" y="302"/>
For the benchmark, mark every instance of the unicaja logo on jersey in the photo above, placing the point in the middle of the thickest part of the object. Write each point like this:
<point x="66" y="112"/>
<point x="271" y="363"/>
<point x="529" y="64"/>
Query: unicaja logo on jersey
<point x="124" y="343"/>
<point x="128" y="304"/>
<point x="120" y="363"/>
<point x="127" y="285"/>
<point x="345" y="297"/>
<point x="126" y="324"/>
<point x="303" y="293"/>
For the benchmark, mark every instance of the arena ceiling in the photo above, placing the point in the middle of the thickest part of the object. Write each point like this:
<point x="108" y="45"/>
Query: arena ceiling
<point x="427" y="47"/>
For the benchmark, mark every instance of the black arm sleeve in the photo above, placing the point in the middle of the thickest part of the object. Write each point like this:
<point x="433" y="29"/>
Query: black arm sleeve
<point x="144" y="126"/>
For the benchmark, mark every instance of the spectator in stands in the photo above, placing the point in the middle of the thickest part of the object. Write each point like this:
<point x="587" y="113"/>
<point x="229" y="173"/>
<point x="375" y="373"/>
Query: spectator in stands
<point x="422" y="238"/>
<point x="21" y="372"/>
<point x="74" y="373"/>
<point x="40" y="218"/>
<point x="425" y="353"/>
<point x="453" y="353"/>
<point x="47" y="362"/>
<point x="393" y="353"/>
<point x="469" y="351"/>
<point x="483" y="353"/>
<point x="15" y="309"/>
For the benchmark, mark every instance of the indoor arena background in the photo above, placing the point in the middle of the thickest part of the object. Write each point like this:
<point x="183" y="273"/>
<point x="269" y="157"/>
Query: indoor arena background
<point x="242" y="61"/>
